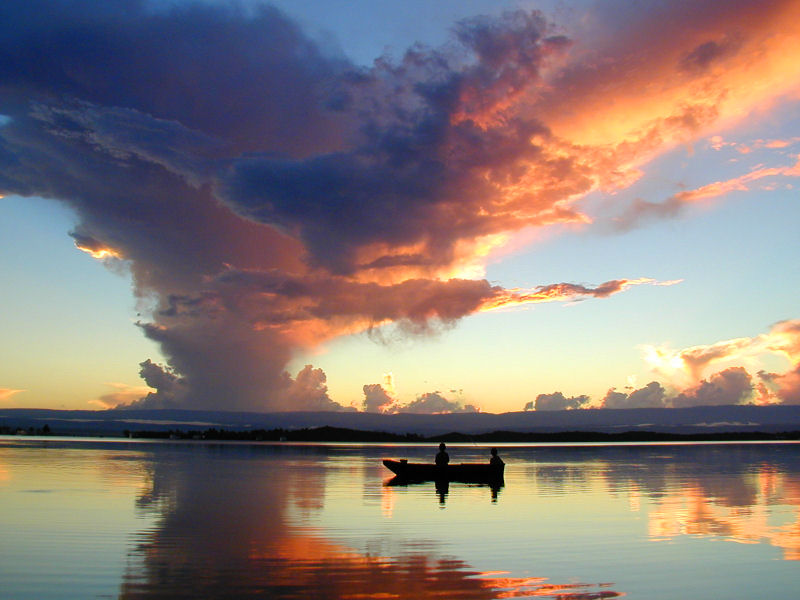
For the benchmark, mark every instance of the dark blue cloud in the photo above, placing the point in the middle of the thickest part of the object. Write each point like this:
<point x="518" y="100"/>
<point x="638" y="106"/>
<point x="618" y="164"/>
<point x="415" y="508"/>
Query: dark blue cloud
<point x="252" y="79"/>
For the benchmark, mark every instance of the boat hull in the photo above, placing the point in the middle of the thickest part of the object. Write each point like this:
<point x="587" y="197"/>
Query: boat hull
<point x="463" y="472"/>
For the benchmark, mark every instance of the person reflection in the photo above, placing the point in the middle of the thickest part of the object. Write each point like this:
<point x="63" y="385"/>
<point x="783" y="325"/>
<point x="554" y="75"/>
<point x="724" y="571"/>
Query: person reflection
<point x="442" y="488"/>
<point x="442" y="483"/>
<point x="495" y="487"/>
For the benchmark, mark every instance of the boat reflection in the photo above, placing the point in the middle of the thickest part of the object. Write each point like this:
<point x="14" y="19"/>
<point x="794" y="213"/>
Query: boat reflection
<point x="442" y="486"/>
<point x="241" y="531"/>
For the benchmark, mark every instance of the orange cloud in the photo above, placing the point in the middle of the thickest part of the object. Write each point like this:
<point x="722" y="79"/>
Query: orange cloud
<point x="782" y="339"/>
<point x="7" y="393"/>
<point x="121" y="394"/>
<point x="94" y="248"/>
<point x="675" y="71"/>
<point x="562" y="292"/>
<point x="718" y="188"/>
<point x="686" y="368"/>
<point x="641" y="209"/>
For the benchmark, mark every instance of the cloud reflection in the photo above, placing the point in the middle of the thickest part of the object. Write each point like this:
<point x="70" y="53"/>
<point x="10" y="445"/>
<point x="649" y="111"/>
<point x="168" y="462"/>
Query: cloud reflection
<point x="238" y="523"/>
<point x="736" y="510"/>
<point x="726" y="492"/>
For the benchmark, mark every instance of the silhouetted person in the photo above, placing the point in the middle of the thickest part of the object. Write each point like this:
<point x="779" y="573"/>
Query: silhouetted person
<point x="442" y="458"/>
<point x="495" y="461"/>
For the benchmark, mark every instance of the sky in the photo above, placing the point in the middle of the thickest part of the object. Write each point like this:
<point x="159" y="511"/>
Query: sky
<point x="420" y="207"/>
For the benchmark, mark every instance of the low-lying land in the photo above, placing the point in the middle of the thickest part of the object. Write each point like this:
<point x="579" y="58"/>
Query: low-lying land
<point x="340" y="434"/>
<point x="742" y="422"/>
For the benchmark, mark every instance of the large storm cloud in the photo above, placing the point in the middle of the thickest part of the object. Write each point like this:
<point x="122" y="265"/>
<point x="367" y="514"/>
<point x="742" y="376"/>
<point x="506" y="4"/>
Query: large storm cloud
<point x="267" y="196"/>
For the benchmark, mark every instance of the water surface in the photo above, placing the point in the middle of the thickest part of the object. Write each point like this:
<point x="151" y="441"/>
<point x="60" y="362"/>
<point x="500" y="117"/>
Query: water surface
<point x="105" y="519"/>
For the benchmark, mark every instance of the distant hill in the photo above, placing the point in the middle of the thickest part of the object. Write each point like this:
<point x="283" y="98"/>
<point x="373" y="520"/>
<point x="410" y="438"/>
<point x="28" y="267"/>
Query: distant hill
<point x="694" y="420"/>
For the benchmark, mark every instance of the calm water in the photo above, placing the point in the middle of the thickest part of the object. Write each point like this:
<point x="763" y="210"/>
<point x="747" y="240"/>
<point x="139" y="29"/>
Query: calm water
<point x="94" y="519"/>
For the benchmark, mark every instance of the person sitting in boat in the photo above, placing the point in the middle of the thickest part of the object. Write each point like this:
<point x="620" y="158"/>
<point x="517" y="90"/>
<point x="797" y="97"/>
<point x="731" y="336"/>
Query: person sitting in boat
<point x="442" y="457"/>
<point x="495" y="461"/>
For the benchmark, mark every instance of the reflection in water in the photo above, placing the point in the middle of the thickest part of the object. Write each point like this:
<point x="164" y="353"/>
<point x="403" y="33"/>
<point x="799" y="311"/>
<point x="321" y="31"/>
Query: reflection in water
<point x="735" y="492"/>
<point x="227" y="532"/>
<point x="442" y="487"/>
<point x="740" y="513"/>
<point x="279" y="521"/>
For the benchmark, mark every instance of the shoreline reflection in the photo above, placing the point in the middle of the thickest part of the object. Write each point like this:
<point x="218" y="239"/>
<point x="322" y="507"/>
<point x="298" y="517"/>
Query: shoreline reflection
<point x="245" y="521"/>
<point x="222" y="536"/>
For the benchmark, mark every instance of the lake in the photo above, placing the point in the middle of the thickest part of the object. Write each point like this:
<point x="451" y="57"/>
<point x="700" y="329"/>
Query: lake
<point x="84" y="518"/>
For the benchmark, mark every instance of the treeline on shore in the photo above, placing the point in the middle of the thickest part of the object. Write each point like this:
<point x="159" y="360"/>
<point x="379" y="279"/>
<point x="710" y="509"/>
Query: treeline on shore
<point x="7" y="430"/>
<point x="340" y="434"/>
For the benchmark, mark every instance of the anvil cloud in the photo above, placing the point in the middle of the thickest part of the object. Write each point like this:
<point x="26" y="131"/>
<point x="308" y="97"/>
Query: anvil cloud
<point x="268" y="196"/>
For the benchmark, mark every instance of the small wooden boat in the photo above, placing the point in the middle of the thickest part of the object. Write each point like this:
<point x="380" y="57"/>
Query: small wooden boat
<point x="463" y="472"/>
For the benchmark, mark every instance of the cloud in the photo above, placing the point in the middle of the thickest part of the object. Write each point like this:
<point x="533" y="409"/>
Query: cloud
<point x="268" y="196"/>
<point x="422" y="175"/>
<point x="123" y="394"/>
<point x="377" y="399"/>
<point x="707" y="375"/>
<point x="382" y="399"/>
<point x="8" y="393"/>
<point x="557" y="401"/>
<point x="642" y="210"/>
<point x="689" y="365"/>
<point x="559" y="292"/>
<point x="695" y="372"/>
<point x="731" y="386"/>
<point x="783" y="339"/>
<point x="653" y="395"/>
<point x="718" y="143"/>
<point x="171" y="390"/>
<point x="708" y="53"/>
<point x="783" y="387"/>
<point x="308" y="391"/>
<point x="435" y="403"/>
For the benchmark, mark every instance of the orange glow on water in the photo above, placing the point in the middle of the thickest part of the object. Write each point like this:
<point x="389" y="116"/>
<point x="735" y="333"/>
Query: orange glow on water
<point x="409" y="576"/>
<point x="742" y="517"/>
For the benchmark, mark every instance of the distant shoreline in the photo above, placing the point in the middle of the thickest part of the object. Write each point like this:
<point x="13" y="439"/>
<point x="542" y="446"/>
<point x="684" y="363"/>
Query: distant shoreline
<point x="345" y="435"/>
<point x="339" y="434"/>
<point x="703" y="423"/>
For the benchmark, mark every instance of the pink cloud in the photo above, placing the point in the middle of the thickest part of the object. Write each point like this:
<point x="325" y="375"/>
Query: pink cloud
<point x="377" y="399"/>
<point x="653" y="395"/>
<point x="731" y="386"/>
<point x="723" y="373"/>
<point x="557" y="401"/>
<point x="642" y="210"/>
<point x="435" y="403"/>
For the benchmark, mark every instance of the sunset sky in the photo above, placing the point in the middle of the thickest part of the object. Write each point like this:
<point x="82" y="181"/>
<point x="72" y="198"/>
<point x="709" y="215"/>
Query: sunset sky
<point x="416" y="206"/>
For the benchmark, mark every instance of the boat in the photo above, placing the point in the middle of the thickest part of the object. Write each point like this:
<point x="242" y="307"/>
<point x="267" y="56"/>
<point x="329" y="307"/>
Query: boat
<point x="462" y="472"/>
